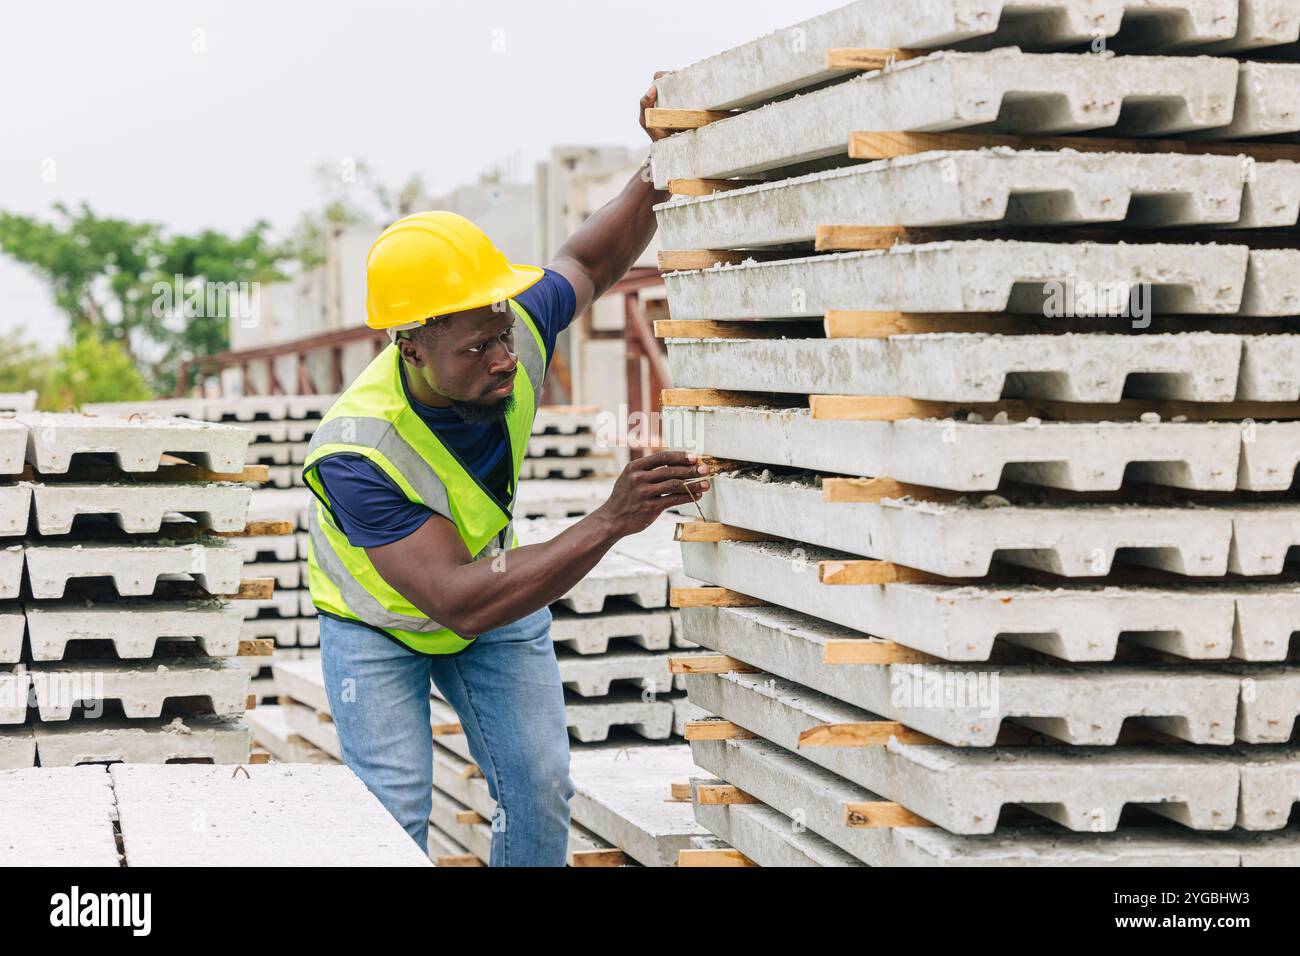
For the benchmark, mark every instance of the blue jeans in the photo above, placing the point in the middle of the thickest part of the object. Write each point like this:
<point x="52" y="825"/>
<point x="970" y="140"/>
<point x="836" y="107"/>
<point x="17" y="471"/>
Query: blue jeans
<point x="506" y="689"/>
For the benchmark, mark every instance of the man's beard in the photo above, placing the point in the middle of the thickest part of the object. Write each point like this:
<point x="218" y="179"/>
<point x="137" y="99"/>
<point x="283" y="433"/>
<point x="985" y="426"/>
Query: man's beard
<point x="478" y="413"/>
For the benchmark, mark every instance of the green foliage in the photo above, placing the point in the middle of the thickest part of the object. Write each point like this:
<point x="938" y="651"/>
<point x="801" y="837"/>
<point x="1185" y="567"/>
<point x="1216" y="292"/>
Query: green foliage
<point x="102" y="273"/>
<point x="88" y="370"/>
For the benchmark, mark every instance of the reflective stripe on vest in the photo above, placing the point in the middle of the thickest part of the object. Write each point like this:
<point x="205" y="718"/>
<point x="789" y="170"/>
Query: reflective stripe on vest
<point x="368" y="421"/>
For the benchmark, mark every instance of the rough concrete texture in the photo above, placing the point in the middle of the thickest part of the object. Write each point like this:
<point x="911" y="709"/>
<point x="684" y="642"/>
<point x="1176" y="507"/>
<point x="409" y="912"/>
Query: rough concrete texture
<point x="655" y="546"/>
<point x="133" y="627"/>
<point x="788" y="785"/>
<point x="141" y="508"/>
<point x="211" y="816"/>
<point x="615" y="575"/>
<point x="162" y="407"/>
<point x="1267" y="94"/>
<point x="14" y="687"/>
<point x="475" y="837"/>
<point x="566" y="420"/>
<point x="1272" y="286"/>
<point x="272" y="547"/>
<point x="57" y="817"/>
<point x="987" y="186"/>
<point x="17" y="748"/>
<point x="281" y="504"/>
<point x="564" y="446"/>
<point x="213" y="563"/>
<point x="282" y="630"/>
<point x="471" y="792"/>
<point x="591" y="675"/>
<point x="990" y="275"/>
<point x="969" y="367"/>
<point x="966" y="705"/>
<point x="271" y="732"/>
<point x="962" y="538"/>
<point x="591" y="633"/>
<point x="961" y="622"/>
<point x="1270" y="453"/>
<point x="1270" y="368"/>
<point x="977" y="455"/>
<point x="13" y="625"/>
<point x="15" y="507"/>
<point x="964" y="790"/>
<point x="287" y="575"/>
<point x="684" y="712"/>
<point x="1270" y="704"/>
<point x="591" y="719"/>
<point x="316" y="729"/>
<point x="1005" y="89"/>
<point x="795" y="58"/>
<point x="104" y="740"/>
<point x="1263" y="535"/>
<point x="141" y="687"/>
<point x="621" y="794"/>
<point x="1272" y="194"/>
<point x="11" y="570"/>
<point x="1270" y="786"/>
<point x="581" y="466"/>
<point x="282" y="604"/>
<point x="559" y="498"/>
<point x="767" y="836"/>
<point x="18" y="401"/>
<point x="302" y="681"/>
<point x="13" y="446"/>
<point x="134" y="444"/>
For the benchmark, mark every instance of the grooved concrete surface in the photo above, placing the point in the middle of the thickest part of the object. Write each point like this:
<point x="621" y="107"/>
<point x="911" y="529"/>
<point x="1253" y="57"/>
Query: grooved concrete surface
<point x="141" y="687"/>
<point x="134" y="444"/>
<point x="140" y="508"/>
<point x="107" y="740"/>
<point x="794" y="58"/>
<point x="254" y="816"/>
<point x="977" y="456"/>
<point x="133" y="626"/>
<point x="964" y="790"/>
<point x="967" y="705"/>
<point x="134" y="568"/>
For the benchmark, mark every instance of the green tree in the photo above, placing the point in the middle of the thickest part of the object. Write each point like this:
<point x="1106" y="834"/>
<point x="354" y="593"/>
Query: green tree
<point x="103" y="273"/>
<point x="92" y="370"/>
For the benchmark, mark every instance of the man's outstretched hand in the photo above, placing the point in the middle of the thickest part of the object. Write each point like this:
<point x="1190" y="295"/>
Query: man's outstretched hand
<point x="648" y="102"/>
<point x="647" y="487"/>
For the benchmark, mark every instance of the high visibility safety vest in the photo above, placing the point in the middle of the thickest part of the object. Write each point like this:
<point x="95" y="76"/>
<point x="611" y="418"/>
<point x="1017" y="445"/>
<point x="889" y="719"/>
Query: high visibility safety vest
<point x="372" y="419"/>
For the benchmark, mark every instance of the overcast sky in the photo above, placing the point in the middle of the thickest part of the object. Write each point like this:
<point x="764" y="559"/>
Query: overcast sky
<point x="197" y="114"/>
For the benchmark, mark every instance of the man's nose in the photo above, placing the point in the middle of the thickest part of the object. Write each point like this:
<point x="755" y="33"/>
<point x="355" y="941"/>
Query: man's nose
<point x="503" y="360"/>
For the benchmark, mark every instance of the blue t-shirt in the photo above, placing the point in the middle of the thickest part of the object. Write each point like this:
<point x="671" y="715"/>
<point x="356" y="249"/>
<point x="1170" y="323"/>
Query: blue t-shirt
<point x="371" y="510"/>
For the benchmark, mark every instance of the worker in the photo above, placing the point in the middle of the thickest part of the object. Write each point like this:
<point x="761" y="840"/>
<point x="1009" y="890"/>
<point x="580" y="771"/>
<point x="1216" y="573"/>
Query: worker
<point x="413" y="563"/>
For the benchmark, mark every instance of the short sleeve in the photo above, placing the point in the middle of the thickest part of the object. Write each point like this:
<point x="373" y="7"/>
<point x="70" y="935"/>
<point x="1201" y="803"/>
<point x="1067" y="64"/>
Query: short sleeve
<point x="368" y="507"/>
<point x="551" y="302"/>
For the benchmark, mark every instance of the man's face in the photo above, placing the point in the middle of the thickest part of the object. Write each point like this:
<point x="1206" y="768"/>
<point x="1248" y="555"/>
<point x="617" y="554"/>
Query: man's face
<point x="469" y="360"/>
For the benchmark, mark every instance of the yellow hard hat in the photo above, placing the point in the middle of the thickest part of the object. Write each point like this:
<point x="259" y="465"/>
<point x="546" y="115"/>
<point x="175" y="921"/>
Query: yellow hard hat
<point x="432" y="263"/>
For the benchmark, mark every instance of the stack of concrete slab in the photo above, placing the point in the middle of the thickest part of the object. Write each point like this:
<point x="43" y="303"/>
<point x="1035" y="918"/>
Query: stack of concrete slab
<point x="993" y="346"/>
<point x="567" y="443"/>
<point x="121" y="637"/>
<point x="227" y="815"/>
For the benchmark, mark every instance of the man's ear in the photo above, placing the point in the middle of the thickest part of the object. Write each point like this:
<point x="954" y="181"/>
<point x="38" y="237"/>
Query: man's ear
<point x="407" y="349"/>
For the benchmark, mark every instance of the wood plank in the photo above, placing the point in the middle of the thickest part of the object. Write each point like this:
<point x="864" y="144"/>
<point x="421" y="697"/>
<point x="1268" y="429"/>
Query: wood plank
<point x="460" y="859"/>
<point x="888" y="145"/>
<point x="851" y="324"/>
<point x="710" y="664"/>
<point x="260" y="529"/>
<point x="707" y="187"/>
<point x="259" y="757"/>
<point x="870" y="733"/>
<point x="716" y="531"/>
<point x="722" y="794"/>
<point x="871" y="650"/>
<point x="891" y="409"/>
<point x="734" y="329"/>
<point x="714" y="398"/>
<point x="468" y="771"/>
<point x="447" y="730"/>
<point x="468" y="817"/>
<point x="875" y="490"/>
<point x="832" y="238"/>
<point x="611" y="857"/>
<point x="253" y="589"/>
<point x="711" y="597"/>
<point x="713" y="858"/>
<point x="659" y="117"/>
<point x="689" y="260"/>
<point x="866" y="58"/>
<point x="680" y="793"/>
<point x="868" y="571"/>
<point x="256" y="647"/>
<point x="880" y="814"/>
<point x="715" y="730"/>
